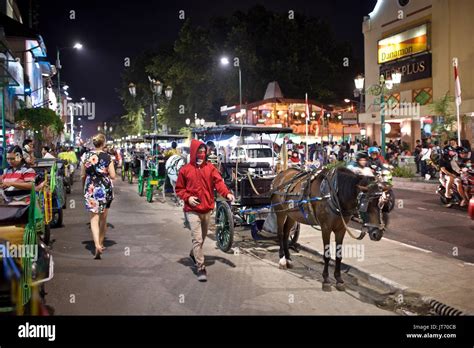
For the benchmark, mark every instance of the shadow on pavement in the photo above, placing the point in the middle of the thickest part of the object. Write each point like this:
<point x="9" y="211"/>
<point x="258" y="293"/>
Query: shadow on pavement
<point x="209" y="261"/>
<point x="89" y="244"/>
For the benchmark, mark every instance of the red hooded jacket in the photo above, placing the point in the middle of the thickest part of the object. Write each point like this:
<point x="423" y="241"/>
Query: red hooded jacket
<point x="199" y="181"/>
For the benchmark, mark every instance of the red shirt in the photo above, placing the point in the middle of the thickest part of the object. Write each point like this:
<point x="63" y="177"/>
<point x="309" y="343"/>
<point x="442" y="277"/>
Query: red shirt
<point x="199" y="181"/>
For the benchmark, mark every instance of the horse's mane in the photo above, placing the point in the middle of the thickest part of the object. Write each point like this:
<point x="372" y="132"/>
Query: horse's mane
<point x="347" y="182"/>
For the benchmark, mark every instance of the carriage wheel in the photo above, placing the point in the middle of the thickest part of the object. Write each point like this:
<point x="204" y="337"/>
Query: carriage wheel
<point x="224" y="226"/>
<point x="130" y="175"/>
<point x="57" y="220"/>
<point x="141" y="186"/>
<point x="149" y="192"/>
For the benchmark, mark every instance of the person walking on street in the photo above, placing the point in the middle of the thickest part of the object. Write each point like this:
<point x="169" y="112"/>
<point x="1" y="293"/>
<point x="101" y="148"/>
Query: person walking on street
<point x="97" y="173"/>
<point x="196" y="183"/>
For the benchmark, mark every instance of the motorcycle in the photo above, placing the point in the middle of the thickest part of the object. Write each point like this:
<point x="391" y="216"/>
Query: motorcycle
<point x="383" y="175"/>
<point x="467" y="178"/>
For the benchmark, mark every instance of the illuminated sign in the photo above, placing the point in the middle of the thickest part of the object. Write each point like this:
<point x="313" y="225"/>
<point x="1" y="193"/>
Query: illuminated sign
<point x="415" y="68"/>
<point x="404" y="44"/>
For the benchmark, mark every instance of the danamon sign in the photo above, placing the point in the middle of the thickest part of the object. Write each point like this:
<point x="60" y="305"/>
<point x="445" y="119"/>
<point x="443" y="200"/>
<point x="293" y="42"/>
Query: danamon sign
<point x="407" y="43"/>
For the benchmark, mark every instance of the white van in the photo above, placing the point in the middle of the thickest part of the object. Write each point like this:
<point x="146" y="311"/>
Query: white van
<point x="254" y="153"/>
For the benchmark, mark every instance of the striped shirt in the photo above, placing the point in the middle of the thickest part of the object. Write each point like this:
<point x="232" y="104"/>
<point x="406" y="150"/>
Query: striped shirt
<point x="13" y="195"/>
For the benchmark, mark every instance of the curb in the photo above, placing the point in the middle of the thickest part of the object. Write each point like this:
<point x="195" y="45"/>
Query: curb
<point x="415" y="186"/>
<point x="390" y="285"/>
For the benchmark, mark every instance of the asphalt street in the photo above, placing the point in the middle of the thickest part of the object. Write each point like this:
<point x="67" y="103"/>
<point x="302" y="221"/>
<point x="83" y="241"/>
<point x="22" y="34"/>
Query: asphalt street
<point x="146" y="270"/>
<point x="419" y="219"/>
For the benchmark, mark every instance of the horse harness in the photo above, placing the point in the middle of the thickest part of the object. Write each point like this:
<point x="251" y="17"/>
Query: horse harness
<point x="328" y="189"/>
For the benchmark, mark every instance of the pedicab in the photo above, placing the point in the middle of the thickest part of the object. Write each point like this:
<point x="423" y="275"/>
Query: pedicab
<point x="250" y="180"/>
<point x="53" y="196"/>
<point x="26" y="263"/>
<point x="153" y="168"/>
<point x="136" y="156"/>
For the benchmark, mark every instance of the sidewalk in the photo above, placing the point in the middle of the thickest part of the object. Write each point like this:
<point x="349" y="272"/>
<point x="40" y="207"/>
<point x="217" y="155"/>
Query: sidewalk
<point x="403" y="268"/>
<point x="416" y="184"/>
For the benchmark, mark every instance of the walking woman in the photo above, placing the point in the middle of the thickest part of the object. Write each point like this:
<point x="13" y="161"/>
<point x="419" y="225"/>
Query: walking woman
<point x="97" y="173"/>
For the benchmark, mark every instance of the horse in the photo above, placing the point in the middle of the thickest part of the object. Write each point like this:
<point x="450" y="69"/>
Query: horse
<point x="328" y="199"/>
<point x="173" y="165"/>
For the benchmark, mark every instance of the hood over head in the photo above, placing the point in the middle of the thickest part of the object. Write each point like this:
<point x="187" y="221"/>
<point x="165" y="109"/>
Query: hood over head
<point x="193" y="150"/>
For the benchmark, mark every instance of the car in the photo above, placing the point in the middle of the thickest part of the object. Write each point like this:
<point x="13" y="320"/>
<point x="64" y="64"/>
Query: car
<point x="254" y="153"/>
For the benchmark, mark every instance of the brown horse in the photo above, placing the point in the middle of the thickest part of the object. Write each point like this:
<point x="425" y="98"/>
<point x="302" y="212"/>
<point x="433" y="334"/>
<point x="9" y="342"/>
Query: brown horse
<point x="330" y="199"/>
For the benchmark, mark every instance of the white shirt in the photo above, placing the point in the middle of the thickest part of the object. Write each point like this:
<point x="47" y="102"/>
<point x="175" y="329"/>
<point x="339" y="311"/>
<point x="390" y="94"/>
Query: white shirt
<point x="48" y="155"/>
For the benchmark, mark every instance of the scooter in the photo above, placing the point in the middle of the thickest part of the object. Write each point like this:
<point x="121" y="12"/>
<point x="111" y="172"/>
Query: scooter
<point x="456" y="197"/>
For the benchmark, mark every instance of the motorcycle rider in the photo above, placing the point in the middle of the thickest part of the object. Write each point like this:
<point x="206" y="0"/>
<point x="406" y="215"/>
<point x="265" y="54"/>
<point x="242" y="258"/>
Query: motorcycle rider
<point x="375" y="159"/>
<point x="465" y="165"/>
<point x="451" y="171"/>
<point x="360" y="166"/>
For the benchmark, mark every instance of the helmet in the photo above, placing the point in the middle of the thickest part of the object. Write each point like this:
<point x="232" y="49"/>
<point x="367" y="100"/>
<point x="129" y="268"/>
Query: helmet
<point x="361" y="155"/>
<point x="449" y="151"/>
<point x="461" y="149"/>
<point x="373" y="149"/>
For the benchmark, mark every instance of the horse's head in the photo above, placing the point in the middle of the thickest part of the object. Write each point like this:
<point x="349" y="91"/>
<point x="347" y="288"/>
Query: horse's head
<point x="371" y="203"/>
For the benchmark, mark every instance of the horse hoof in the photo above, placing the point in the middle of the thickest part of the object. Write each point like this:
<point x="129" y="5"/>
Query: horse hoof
<point x="327" y="287"/>
<point x="340" y="286"/>
<point x="289" y="264"/>
<point x="281" y="266"/>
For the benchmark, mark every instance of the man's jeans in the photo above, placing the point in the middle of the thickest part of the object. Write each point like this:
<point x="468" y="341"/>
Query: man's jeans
<point x="198" y="224"/>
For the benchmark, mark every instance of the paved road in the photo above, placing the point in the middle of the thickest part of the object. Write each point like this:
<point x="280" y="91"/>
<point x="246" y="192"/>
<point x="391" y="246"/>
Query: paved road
<point x="423" y="222"/>
<point x="146" y="270"/>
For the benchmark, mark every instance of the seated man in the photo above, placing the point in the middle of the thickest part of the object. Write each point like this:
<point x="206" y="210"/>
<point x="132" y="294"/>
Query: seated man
<point x="18" y="179"/>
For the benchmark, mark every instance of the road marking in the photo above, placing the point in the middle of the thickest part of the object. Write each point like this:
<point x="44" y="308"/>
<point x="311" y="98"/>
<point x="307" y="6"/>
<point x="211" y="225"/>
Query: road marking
<point x="469" y="264"/>
<point x="420" y="208"/>
<point x="407" y="245"/>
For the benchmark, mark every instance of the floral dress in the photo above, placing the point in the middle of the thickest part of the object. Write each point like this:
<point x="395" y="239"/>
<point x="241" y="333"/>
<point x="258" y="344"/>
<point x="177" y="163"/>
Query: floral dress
<point x="98" y="187"/>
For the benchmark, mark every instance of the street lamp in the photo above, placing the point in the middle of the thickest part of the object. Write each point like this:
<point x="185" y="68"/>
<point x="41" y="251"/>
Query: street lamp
<point x="77" y="46"/>
<point x="225" y="62"/>
<point x="157" y="90"/>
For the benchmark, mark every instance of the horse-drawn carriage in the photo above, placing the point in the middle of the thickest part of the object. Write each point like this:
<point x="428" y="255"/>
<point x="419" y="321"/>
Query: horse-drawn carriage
<point x="152" y="174"/>
<point x="250" y="182"/>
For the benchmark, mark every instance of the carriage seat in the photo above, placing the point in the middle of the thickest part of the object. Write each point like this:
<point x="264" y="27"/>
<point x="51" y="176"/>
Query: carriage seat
<point x="13" y="215"/>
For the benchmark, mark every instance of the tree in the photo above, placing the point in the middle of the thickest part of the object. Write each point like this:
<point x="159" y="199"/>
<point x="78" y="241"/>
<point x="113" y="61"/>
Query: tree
<point x="446" y="127"/>
<point x="43" y="121"/>
<point x="301" y="54"/>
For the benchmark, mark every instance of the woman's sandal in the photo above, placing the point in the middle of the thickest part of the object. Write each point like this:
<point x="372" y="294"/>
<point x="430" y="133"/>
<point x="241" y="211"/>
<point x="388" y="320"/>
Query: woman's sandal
<point x="98" y="253"/>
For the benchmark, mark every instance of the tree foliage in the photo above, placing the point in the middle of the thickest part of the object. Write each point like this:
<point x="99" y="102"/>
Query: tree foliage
<point x="40" y="120"/>
<point x="301" y="54"/>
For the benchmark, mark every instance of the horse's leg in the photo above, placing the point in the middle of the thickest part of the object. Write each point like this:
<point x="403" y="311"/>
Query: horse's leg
<point x="337" y="271"/>
<point x="326" y="233"/>
<point x="286" y="235"/>
<point x="281" y="217"/>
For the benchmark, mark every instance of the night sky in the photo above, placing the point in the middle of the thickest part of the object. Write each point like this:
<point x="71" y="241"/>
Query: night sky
<point x="112" y="30"/>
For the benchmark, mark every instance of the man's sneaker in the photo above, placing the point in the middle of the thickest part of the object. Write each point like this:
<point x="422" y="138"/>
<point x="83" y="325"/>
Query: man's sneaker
<point x="202" y="275"/>
<point x="193" y="259"/>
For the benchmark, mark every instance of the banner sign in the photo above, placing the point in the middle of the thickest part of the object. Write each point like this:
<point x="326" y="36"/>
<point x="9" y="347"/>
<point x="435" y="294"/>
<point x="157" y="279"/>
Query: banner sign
<point x="416" y="68"/>
<point x="404" y="44"/>
<point x="349" y="118"/>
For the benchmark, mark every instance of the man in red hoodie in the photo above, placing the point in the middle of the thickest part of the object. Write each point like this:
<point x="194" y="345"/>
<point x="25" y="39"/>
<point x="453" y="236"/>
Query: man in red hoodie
<point x="196" y="183"/>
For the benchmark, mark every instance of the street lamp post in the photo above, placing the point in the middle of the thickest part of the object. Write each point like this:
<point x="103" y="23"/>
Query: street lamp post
<point x="76" y="46"/>
<point x="379" y="90"/>
<point x="225" y="61"/>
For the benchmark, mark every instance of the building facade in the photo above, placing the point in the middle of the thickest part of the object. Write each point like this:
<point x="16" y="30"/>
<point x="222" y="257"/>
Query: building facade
<point x="419" y="39"/>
